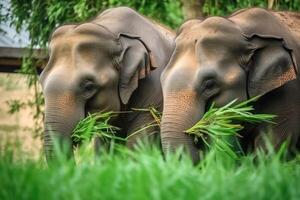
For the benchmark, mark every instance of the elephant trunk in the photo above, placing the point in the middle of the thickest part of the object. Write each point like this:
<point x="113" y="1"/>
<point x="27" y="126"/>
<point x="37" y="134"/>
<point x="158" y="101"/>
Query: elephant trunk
<point x="61" y="116"/>
<point x="180" y="113"/>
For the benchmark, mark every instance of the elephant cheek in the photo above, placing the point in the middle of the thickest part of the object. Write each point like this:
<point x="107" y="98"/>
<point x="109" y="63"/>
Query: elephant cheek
<point x="104" y="102"/>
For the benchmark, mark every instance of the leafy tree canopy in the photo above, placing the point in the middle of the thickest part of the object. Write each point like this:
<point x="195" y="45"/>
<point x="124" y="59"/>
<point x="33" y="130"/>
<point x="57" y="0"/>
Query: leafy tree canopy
<point x="41" y="16"/>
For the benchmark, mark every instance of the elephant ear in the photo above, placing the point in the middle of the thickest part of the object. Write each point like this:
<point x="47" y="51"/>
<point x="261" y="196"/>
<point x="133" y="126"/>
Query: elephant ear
<point x="272" y="65"/>
<point x="136" y="62"/>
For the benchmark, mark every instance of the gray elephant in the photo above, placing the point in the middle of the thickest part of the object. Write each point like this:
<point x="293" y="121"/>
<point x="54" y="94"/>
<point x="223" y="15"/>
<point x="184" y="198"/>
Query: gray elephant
<point x="252" y="52"/>
<point x="103" y="65"/>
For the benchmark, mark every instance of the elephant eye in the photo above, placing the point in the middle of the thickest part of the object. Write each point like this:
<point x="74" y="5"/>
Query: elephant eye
<point x="209" y="84"/>
<point x="210" y="87"/>
<point x="89" y="86"/>
<point x="89" y="89"/>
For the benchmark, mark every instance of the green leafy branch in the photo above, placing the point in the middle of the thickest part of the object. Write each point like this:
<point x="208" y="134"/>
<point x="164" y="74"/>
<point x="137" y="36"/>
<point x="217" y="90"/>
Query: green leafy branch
<point x="216" y="127"/>
<point x="98" y="125"/>
<point x="95" y="125"/>
<point x="218" y="124"/>
<point x="153" y="111"/>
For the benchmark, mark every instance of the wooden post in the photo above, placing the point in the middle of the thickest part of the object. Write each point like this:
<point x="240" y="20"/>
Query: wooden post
<point x="192" y="8"/>
<point x="270" y="4"/>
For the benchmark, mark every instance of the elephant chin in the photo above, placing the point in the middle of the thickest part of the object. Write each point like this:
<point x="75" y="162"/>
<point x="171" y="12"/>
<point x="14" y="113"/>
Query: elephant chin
<point x="178" y="117"/>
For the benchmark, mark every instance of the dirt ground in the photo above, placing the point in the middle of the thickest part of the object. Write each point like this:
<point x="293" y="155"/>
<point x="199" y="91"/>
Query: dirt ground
<point x="17" y="126"/>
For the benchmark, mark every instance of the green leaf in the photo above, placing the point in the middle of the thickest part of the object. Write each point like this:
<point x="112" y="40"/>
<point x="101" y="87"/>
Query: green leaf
<point x="220" y="123"/>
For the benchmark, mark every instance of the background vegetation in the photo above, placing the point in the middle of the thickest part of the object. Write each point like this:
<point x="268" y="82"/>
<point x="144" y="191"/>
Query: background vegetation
<point x="40" y="17"/>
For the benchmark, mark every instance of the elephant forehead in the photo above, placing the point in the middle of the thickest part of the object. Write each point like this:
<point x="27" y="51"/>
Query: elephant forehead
<point x="77" y="40"/>
<point x="90" y="28"/>
<point x="78" y="48"/>
<point x="213" y="29"/>
<point x="218" y="45"/>
<point x="87" y="35"/>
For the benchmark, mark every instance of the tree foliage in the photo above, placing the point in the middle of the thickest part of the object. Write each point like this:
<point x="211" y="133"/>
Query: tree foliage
<point x="226" y="7"/>
<point x="42" y="16"/>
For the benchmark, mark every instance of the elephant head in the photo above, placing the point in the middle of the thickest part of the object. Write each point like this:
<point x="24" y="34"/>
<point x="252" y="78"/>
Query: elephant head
<point x="90" y="69"/>
<point x="215" y="61"/>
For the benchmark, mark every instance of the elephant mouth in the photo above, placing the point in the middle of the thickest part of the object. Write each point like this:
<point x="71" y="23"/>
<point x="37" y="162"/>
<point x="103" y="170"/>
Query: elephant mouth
<point x="115" y="120"/>
<point x="88" y="112"/>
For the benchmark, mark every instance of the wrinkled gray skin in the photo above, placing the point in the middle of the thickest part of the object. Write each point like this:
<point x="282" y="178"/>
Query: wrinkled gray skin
<point x="103" y="65"/>
<point x="252" y="52"/>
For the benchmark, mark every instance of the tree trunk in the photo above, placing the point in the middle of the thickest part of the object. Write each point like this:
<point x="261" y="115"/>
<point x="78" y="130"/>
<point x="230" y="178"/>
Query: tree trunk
<point x="192" y="8"/>
<point x="271" y="4"/>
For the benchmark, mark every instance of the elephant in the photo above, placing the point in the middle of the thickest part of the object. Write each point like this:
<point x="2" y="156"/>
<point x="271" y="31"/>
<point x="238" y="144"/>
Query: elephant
<point x="253" y="52"/>
<point x="111" y="63"/>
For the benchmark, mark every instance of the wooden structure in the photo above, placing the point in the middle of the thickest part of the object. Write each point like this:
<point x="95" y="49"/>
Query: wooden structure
<point x="11" y="58"/>
<point x="13" y="46"/>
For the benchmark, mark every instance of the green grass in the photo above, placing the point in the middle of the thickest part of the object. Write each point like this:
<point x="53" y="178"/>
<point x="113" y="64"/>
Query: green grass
<point x="145" y="174"/>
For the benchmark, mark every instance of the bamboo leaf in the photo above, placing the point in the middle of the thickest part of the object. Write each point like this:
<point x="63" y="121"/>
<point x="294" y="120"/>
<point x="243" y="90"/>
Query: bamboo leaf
<point x="220" y="123"/>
